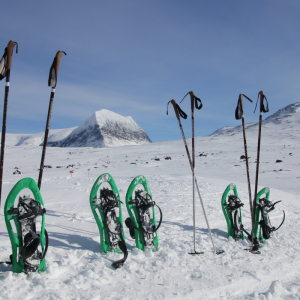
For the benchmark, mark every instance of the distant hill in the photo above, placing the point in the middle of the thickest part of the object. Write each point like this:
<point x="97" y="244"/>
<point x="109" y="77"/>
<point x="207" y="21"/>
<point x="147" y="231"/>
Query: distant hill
<point x="286" y="122"/>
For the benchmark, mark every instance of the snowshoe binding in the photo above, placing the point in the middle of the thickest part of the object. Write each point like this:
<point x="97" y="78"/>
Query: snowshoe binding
<point x="141" y="226"/>
<point x="104" y="210"/>
<point x="263" y="229"/>
<point x="29" y="248"/>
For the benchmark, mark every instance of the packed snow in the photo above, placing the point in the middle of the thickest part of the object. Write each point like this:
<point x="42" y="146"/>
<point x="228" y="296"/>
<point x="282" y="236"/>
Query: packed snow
<point x="77" y="268"/>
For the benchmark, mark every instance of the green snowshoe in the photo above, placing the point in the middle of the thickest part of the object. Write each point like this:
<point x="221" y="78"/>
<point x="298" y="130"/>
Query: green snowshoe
<point x="141" y="226"/>
<point x="231" y="206"/>
<point x="26" y="255"/>
<point x="104" y="210"/>
<point x="262" y="225"/>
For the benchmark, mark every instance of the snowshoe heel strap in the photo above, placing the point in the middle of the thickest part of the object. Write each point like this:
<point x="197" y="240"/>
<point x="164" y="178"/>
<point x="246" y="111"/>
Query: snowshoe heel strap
<point x="31" y="241"/>
<point x="130" y="225"/>
<point x="119" y="263"/>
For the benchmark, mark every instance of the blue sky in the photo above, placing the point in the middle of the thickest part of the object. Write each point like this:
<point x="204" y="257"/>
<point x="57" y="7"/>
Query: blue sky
<point x="132" y="57"/>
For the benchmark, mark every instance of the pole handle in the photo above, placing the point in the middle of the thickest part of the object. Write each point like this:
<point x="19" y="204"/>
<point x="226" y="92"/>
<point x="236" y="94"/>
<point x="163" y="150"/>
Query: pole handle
<point x="52" y="81"/>
<point x="261" y="98"/>
<point x="58" y="57"/>
<point x="9" y="51"/>
<point x="175" y="109"/>
<point x="192" y="95"/>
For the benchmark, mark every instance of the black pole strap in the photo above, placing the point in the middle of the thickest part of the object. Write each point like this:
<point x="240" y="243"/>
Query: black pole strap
<point x="264" y="108"/>
<point x="238" y="111"/>
<point x="198" y="102"/>
<point x="200" y="105"/>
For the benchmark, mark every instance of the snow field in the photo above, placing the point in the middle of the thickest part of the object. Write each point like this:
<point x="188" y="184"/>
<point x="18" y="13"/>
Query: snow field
<point x="78" y="269"/>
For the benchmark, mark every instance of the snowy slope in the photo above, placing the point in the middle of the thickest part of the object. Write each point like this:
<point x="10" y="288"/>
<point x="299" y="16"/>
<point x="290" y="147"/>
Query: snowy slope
<point x="286" y="120"/>
<point x="104" y="129"/>
<point x="36" y="139"/>
<point x="78" y="269"/>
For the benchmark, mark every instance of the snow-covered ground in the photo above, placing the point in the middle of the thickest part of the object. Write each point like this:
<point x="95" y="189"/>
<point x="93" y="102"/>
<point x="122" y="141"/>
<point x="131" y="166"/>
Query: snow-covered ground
<point x="78" y="269"/>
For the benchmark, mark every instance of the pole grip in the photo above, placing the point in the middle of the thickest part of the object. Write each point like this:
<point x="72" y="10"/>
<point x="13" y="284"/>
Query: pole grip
<point x="192" y="95"/>
<point x="261" y="95"/>
<point x="58" y="56"/>
<point x="10" y="48"/>
<point x="241" y="102"/>
<point x="175" y="109"/>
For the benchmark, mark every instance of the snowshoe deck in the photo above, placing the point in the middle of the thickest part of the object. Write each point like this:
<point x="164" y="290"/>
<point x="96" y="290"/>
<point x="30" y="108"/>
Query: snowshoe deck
<point x="25" y="242"/>
<point x="141" y="226"/>
<point x="108" y="241"/>
<point x="233" y="220"/>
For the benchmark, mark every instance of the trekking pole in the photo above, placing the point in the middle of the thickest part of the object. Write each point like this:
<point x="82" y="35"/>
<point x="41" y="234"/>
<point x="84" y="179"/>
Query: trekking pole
<point x="193" y="162"/>
<point x="178" y="113"/>
<point x="6" y="59"/>
<point x="262" y="109"/>
<point x="196" y="102"/>
<point x="239" y="114"/>
<point x="51" y="82"/>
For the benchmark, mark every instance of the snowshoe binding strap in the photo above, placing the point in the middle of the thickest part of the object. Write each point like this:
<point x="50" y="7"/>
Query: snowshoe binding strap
<point x="239" y="111"/>
<point x="265" y="207"/>
<point x="108" y="203"/>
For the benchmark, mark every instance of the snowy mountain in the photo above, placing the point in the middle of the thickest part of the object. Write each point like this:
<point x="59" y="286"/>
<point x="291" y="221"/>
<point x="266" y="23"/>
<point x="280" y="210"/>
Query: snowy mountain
<point x="285" y="120"/>
<point x="104" y="129"/>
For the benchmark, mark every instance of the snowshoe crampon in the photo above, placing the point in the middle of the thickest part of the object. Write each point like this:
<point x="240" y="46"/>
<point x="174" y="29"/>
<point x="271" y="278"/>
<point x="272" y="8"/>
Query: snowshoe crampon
<point x="231" y="206"/>
<point x="28" y="247"/>
<point x="262" y="225"/>
<point x="142" y="226"/>
<point x="105" y="208"/>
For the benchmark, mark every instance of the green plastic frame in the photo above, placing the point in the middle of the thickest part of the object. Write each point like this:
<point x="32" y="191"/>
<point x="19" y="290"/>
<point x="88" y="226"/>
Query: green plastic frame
<point x="134" y="215"/>
<point x="104" y="239"/>
<point x="17" y="263"/>
<point x="230" y="187"/>
<point x="258" y="217"/>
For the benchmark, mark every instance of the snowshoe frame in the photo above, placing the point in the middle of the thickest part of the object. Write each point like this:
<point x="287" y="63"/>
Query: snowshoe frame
<point x="16" y="244"/>
<point x="104" y="238"/>
<point x="227" y="214"/>
<point x="134" y="214"/>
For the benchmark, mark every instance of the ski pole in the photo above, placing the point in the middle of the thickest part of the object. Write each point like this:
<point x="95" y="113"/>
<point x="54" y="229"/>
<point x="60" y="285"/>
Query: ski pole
<point x="8" y="56"/>
<point x="193" y="164"/>
<point x="51" y="82"/>
<point x="239" y="114"/>
<point x="178" y="113"/>
<point x="194" y="103"/>
<point x="262" y="109"/>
